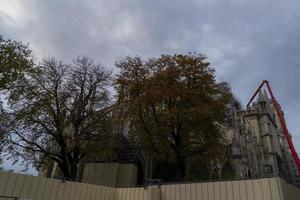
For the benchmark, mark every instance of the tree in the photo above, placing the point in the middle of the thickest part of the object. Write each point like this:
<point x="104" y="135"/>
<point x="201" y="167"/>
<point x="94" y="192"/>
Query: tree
<point x="2" y="130"/>
<point x="174" y="107"/>
<point x="15" y="60"/>
<point x="61" y="114"/>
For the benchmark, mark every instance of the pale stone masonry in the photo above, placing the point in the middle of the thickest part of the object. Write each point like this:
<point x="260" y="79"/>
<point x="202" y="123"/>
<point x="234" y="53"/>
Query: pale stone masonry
<point x="259" y="148"/>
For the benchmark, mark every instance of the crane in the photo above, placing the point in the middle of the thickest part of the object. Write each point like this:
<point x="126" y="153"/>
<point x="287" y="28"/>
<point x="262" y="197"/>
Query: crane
<point x="281" y="120"/>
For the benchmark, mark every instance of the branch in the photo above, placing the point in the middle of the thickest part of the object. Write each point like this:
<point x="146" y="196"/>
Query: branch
<point x="40" y="148"/>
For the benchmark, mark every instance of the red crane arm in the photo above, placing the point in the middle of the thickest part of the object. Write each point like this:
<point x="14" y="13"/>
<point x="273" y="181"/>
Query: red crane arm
<point x="281" y="120"/>
<point x="256" y="92"/>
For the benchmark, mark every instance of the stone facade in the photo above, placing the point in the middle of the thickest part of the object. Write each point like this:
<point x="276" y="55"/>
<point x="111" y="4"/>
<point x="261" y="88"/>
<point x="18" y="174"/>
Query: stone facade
<point x="259" y="148"/>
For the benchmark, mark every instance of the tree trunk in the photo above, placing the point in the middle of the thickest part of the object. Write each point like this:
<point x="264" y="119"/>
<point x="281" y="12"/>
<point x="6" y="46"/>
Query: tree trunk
<point x="188" y="169"/>
<point x="180" y="167"/>
<point x="69" y="168"/>
<point x="148" y="167"/>
<point x="70" y="172"/>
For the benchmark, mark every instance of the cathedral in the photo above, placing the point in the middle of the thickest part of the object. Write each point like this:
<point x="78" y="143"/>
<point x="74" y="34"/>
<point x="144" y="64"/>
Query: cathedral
<point x="259" y="147"/>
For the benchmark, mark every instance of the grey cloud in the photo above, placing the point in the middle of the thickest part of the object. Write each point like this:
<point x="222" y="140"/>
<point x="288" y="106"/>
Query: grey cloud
<point x="247" y="41"/>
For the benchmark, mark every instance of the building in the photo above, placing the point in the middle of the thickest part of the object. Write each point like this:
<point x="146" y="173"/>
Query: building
<point x="259" y="148"/>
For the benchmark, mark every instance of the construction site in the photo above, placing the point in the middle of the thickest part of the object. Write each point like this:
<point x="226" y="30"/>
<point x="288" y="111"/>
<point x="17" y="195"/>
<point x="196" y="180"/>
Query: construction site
<point x="263" y="160"/>
<point x="262" y="144"/>
<point x="259" y="141"/>
<point x="149" y="100"/>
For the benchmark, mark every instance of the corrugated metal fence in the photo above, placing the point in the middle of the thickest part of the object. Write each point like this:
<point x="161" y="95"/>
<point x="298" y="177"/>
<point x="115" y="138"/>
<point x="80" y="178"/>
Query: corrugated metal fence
<point x="40" y="188"/>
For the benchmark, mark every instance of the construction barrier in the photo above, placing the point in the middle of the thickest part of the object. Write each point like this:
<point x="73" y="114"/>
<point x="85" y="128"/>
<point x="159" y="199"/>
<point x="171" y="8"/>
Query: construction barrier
<point x="14" y="186"/>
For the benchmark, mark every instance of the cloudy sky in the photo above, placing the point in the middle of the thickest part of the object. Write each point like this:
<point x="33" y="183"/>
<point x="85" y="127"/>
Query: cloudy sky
<point x="246" y="41"/>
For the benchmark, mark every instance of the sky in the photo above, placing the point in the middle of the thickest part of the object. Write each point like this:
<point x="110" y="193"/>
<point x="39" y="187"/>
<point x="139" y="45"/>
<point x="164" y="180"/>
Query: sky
<point x="246" y="41"/>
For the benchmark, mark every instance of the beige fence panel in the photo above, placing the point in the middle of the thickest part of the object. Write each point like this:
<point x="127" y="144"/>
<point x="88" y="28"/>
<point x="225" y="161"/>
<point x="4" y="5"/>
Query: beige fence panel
<point x="289" y="192"/>
<point x="260" y="189"/>
<point x="40" y="188"/>
<point x="149" y="193"/>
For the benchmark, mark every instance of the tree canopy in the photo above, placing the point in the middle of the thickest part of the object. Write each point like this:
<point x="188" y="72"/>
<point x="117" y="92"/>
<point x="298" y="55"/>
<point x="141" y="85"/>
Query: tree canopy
<point x="15" y="60"/>
<point x="174" y="108"/>
<point x="2" y="130"/>
<point x="171" y="108"/>
<point x="61" y="114"/>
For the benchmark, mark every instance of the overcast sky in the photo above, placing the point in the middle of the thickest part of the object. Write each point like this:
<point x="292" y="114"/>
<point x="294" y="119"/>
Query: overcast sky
<point x="245" y="40"/>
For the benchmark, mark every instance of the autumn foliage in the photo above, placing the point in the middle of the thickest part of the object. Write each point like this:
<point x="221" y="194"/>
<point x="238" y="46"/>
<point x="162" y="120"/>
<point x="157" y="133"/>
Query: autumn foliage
<point x="170" y="109"/>
<point x="174" y="108"/>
